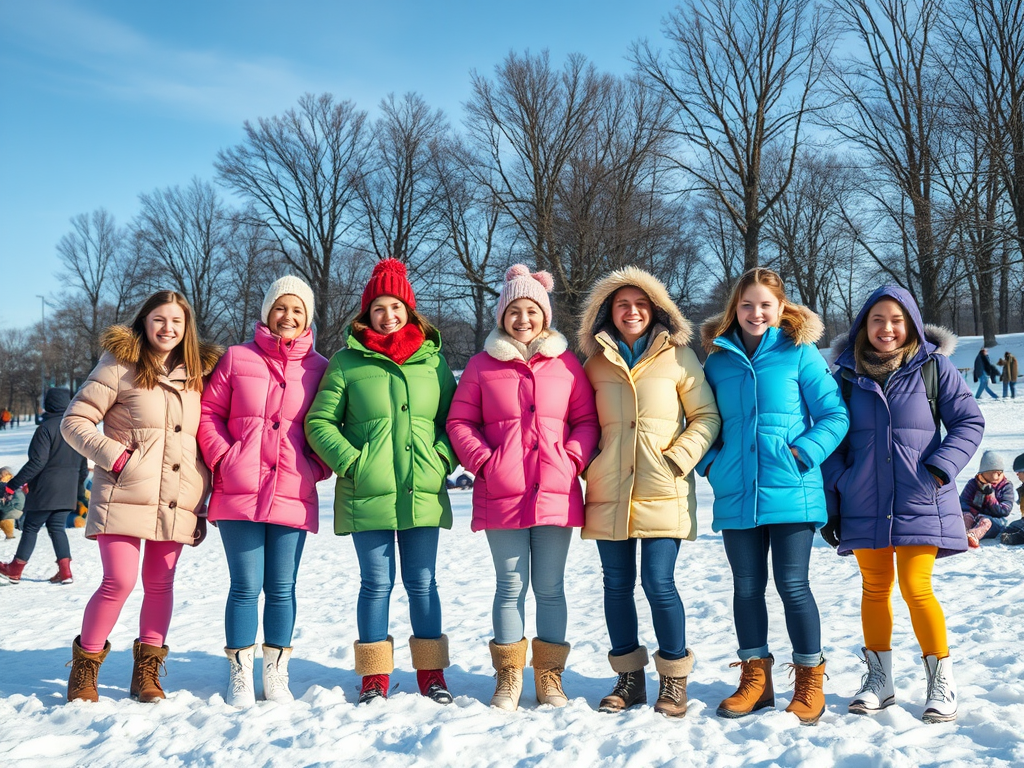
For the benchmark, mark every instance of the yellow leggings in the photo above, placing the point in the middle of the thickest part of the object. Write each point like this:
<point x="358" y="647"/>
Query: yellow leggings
<point x="914" y="565"/>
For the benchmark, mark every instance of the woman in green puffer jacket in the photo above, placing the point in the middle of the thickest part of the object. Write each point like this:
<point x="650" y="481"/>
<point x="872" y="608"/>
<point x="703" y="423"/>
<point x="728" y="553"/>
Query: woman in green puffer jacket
<point x="378" y="421"/>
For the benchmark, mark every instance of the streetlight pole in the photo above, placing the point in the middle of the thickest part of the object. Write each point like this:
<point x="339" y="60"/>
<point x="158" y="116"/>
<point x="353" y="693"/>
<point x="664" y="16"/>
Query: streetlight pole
<point x="42" y="355"/>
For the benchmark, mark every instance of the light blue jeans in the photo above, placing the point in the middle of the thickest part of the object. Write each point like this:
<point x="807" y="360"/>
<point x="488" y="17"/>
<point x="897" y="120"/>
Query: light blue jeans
<point x="518" y="554"/>
<point x="984" y="387"/>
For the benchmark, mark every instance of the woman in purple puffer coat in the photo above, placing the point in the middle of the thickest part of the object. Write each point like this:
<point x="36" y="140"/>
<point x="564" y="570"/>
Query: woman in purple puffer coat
<point x="890" y="485"/>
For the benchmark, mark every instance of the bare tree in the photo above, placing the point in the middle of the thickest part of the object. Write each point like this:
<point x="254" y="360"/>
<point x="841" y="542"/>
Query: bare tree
<point x="741" y="76"/>
<point x="251" y="263"/>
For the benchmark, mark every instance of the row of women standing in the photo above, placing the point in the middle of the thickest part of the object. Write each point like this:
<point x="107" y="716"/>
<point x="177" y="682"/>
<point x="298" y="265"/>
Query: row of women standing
<point x="528" y="420"/>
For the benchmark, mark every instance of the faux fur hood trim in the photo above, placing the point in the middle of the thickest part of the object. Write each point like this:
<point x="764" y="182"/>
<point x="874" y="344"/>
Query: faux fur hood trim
<point x="501" y="346"/>
<point x="125" y="346"/>
<point x="805" y="328"/>
<point x="945" y="341"/>
<point x="597" y="312"/>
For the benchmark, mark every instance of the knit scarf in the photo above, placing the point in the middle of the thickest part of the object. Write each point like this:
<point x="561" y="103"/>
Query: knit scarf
<point x="631" y="355"/>
<point x="399" y="346"/>
<point x="881" y="365"/>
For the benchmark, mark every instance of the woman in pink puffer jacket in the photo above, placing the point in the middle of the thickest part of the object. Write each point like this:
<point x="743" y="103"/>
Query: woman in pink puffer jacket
<point x="264" y="480"/>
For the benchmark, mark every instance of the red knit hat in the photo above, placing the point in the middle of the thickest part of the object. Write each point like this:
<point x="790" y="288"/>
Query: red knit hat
<point x="388" y="279"/>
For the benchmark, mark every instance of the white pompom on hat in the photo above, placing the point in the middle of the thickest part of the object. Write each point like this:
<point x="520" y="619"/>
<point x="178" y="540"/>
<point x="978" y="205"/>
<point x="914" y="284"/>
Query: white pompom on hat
<point x="520" y="283"/>
<point x="289" y="284"/>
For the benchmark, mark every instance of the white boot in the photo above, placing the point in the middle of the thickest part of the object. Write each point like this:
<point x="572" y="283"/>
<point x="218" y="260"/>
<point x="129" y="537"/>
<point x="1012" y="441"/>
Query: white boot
<point x="941" y="704"/>
<point x="275" y="673"/>
<point x="876" y="689"/>
<point x="241" y="691"/>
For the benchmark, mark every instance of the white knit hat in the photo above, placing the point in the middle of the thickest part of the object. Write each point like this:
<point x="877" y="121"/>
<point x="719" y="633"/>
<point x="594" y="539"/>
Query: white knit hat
<point x="289" y="284"/>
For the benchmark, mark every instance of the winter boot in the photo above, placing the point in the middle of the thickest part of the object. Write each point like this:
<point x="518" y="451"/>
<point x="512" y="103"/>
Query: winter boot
<point x="149" y="663"/>
<point x="374" y="663"/>
<point x="430" y="659"/>
<point x="85" y="669"/>
<point x="63" y="575"/>
<point x="275" y="673"/>
<point x="876" y="689"/>
<point x="808" y="702"/>
<point x="508" y="660"/>
<point x="941" y="704"/>
<point x="548" y="666"/>
<point x="241" y="689"/>
<point x="1013" y="538"/>
<point x="756" y="690"/>
<point x="631" y="687"/>
<point x="12" y="570"/>
<point x="7" y="526"/>
<point x="672" y="690"/>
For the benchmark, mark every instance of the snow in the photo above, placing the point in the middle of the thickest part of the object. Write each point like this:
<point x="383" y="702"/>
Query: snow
<point x="981" y="592"/>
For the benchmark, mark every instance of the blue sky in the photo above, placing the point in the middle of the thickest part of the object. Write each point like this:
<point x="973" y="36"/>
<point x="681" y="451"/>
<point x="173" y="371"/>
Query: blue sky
<point x="101" y="100"/>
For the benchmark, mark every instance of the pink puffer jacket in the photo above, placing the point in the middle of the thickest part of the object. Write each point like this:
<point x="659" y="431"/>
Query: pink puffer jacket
<point x="251" y="434"/>
<point x="526" y="429"/>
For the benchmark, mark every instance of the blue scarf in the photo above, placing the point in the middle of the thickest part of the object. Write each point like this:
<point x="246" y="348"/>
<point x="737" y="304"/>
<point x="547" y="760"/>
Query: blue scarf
<point x="632" y="355"/>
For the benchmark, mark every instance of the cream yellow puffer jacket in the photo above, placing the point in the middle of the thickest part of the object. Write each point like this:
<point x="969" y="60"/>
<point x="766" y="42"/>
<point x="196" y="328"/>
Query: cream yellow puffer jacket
<point x="657" y="420"/>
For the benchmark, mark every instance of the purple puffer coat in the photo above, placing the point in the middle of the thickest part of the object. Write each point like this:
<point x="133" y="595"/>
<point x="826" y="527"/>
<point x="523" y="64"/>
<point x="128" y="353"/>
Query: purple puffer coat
<point x="881" y="480"/>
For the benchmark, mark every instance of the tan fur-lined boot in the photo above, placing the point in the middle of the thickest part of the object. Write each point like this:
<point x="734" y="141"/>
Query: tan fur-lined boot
<point x="374" y="663"/>
<point x="508" y="660"/>
<point x="672" y="690"/>
<point x="756" y="690"/>
<point x="548" y="665"/>
<point x="631" y="687"/>
<point x="7" y="526"/>
<point x="808" y="693"/>
<point x="430" y="659"/>
<point x="85" y="670"/>
<point x="149" y="660"/>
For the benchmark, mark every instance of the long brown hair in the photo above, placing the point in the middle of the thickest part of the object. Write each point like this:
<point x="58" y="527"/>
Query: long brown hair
<point x="148" y="369"/>
<point x="362" y="322"/>
<point x="789" y="318"/>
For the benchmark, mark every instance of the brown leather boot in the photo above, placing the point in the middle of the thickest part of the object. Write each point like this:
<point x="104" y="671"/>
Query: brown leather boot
<point x="808" y="693"/>
<point x="631" y="687"/>
<point x="672" y="690"/>
<point x="85" y="669"/>
<point x="149" y="660"/>
<point x="755" y="690"/>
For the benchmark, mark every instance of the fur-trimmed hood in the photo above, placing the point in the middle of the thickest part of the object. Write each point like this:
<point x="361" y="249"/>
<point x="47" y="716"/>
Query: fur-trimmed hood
<point x="125" y="346"/>
<point x="501" y="346"/>
<point x="803" y="327"/>
<point x="598" y="311"/>
<point x="944" y="340"/>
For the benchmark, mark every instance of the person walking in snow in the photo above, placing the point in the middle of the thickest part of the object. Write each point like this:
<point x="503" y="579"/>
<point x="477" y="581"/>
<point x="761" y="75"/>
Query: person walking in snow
<point x="523" y="421"/>
<point x="782" y="415"/>
<point x="149" y="480"/>
<point x="378" y="421"/>
<point x="1008" y="362"/>
<point x="891" y="488"/>
<point x="983" y="372"/>
<point x="54" y="475"/>
<point x="986" y="500"/>
<point x="264" y="498"/>
<point x="658" y="417"/>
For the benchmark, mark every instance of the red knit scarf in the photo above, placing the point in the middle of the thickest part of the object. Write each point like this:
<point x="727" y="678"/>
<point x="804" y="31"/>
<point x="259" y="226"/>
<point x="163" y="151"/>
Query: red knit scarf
<point x="399" y="346"/>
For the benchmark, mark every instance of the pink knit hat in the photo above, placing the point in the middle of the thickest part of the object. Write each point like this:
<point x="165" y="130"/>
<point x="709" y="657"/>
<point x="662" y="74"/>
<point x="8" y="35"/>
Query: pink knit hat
<point x="521" y="284"/>
<point x="388" y="279"/>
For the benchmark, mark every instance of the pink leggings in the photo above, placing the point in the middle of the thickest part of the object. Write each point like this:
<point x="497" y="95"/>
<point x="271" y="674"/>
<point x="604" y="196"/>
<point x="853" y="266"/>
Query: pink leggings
<point x="120" y="556"/>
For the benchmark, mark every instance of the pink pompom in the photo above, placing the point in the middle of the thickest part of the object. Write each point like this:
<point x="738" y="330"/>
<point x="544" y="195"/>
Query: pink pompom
<point x="545" y="279"/>
<point x="517" y="270"/>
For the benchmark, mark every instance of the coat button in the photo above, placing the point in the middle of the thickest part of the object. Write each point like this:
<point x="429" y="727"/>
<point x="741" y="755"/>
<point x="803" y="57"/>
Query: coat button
<point x="536" y="446"/>
<point x="172" y="504"/>
<point x="410" y="490"/>
<point x="632" y="425"/>
<point x="177" y="427"/>
<point x="273" y="467"/>
<point x="408" y="447"/>
<point x="752" y="449"/>
<point x="888" y="459"/>
<point x="282" y="385"/>
<point x="405" y="407"/>
<point x="277" y="424"/>
<point x="176" y="467"/>
<point x="533" y="408"/>
<point x="536" y="486"/>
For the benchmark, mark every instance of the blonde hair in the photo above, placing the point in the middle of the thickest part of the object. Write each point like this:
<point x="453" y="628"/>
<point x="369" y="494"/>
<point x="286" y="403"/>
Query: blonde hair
<point x="789" y="317"/>
<point x="148" y="367"/>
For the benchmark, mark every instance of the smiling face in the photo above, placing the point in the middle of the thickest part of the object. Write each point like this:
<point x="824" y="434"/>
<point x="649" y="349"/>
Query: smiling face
<point x="758" y="310"/>
<point x="887" y="326"/>
<point x="287" y="317"/>
<point x="165" y="328"/>
<point x="388" y="314"/>
<point x="523" y="320"/>
<point x="631" y="313"/>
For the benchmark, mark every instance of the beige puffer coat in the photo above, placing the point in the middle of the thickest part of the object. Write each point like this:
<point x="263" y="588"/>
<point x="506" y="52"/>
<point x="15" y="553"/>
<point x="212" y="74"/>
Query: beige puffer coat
<point x="657" y="420"/>
<point x="165" y="482"/>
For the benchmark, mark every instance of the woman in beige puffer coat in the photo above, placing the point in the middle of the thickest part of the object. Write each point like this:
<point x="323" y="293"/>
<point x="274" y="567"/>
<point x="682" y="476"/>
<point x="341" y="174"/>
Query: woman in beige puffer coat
<point x="149" y="481"/>
<point x="658" y="418"/>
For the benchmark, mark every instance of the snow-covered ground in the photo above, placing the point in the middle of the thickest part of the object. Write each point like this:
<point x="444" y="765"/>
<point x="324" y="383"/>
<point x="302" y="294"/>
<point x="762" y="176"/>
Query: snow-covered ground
<point x="981" y="592"/>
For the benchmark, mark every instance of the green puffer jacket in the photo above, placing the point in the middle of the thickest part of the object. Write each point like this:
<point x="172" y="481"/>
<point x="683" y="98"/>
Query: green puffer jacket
<point x="381" y="427"/>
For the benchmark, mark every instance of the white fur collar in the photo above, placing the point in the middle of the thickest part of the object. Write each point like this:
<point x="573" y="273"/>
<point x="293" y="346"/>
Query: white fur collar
<point x="501" y="346"/>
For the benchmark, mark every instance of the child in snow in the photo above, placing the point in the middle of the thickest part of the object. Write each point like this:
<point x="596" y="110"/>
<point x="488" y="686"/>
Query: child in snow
<point x="264" y="496"/>
<point x="11" y="503"/>
<point x="782" y="415"/>
<point x="658" y="417"/>
<point x="1013" y="534"/>
<point x="378" y="421"/>
<point x="986" y="500"/>
<point x="891" y="487"/>
<point x="523" y="420"/>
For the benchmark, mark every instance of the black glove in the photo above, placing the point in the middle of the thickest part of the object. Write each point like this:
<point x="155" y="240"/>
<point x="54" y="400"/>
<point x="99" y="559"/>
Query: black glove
<point x="830" y="532"/>
<point x="985" y="489"/>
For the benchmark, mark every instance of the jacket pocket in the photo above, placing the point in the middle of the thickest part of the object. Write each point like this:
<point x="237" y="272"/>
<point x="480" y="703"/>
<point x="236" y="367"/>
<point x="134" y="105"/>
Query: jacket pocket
<point x="427" y="467"/>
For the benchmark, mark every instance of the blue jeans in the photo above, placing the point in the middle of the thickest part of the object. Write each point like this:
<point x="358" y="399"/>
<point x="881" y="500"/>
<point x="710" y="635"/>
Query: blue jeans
<point x="657" y="575"/>
<point x="1011" y="387"/>
<point x="263" y="557"/>
<point x="511" y="551"/>
<point x="376" y="553"/>
<point x="790" y="545"/>
<point x="55" y="522"/>
<point x="984" y="387"/>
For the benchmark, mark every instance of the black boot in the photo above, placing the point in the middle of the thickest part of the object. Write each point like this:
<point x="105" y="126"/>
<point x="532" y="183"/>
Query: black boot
<point x="631" y="687"/>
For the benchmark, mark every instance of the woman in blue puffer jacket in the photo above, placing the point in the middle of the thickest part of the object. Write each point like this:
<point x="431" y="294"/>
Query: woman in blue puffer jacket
<point x="782" y="415"/>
